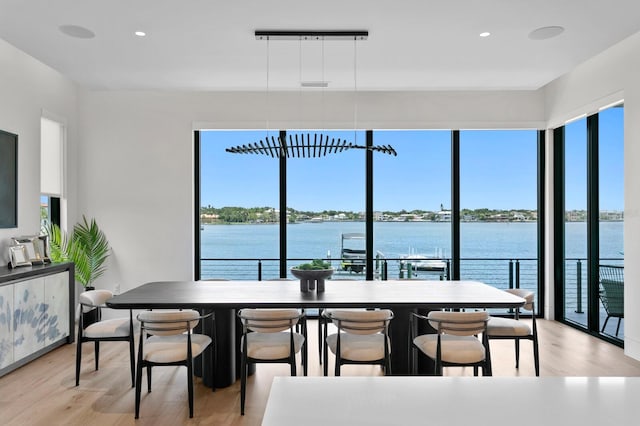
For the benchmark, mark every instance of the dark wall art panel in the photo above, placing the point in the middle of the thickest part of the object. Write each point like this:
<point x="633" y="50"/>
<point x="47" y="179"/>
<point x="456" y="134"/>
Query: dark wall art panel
<point x="8" y="180"/>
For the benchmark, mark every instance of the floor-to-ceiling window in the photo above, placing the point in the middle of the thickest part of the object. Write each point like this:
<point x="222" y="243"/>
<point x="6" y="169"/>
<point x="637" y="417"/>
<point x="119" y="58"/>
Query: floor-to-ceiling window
<point x="589" y="180"/>
<point x="412" y="203"/>
<point x="239" y="217"/>
<point x="575" y="222"/>
<point x="326" y="203"/>
<point x="259" y="214"/>
<point x="499" y="208"/>
<point x="611" y="216"/>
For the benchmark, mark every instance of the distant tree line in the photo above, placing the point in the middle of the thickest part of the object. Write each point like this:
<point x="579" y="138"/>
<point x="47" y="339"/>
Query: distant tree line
<point x="210" y="214"/>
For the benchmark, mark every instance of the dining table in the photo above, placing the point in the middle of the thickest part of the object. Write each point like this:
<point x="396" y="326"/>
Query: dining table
<point x="224" y="298"/>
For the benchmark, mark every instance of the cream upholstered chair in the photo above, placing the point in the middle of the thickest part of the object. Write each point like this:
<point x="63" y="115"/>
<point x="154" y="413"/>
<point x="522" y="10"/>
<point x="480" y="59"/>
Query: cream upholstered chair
<point x="167" y="339"/>
<point x="514" y="328"/>
<point x="362" y="338"/>
<point x="269" y="336"/>
<point x="322" y="318"/>
<point x="92" y="328"/>
<point x="455" y="343"/>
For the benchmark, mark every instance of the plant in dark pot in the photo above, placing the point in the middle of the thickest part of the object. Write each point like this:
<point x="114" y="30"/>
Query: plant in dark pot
<point x="312" y="275"/>
<point x="87" y="247"/>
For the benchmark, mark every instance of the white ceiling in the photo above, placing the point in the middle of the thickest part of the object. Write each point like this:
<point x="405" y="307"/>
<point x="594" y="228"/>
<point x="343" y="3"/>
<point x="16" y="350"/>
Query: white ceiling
<point x="412" y="44"/>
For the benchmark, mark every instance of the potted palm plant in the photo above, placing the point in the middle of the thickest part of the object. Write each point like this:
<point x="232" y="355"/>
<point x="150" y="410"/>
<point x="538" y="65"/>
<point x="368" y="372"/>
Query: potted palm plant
<point x="87" y="247"/>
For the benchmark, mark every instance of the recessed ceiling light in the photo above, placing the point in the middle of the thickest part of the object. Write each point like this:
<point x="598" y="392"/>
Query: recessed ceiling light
<point x="76" y="31"/>
<point x="140" y="33"/>
<point x="485" y="34"/>
<point x="544" y="33"/>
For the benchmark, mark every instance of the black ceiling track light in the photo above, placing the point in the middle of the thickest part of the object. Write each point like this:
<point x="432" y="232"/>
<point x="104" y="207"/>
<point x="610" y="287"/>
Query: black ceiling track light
<point x="303" y="144"/>
<point x="311" y="35"/>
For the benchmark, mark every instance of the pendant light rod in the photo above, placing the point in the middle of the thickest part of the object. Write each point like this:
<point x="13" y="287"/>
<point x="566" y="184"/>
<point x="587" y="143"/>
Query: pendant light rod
<point x="304" y="34"/>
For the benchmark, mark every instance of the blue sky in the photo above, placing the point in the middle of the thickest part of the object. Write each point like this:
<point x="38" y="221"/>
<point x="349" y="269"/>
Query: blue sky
<point x="498" y="170"/>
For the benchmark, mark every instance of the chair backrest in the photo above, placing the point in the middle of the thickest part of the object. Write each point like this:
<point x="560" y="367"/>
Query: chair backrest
<point x="612" y="288"/>
<point x="93" y="299"/>
<point x="166" y="323"/>
<point x="361" y="321"/>
<point x="459" y="323"/>
<point x="527" y="295"/>
<point x="269" y="320"/>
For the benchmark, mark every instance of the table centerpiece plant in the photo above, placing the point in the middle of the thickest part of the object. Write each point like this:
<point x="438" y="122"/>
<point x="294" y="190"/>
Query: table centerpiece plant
<point x="312" y="275"/>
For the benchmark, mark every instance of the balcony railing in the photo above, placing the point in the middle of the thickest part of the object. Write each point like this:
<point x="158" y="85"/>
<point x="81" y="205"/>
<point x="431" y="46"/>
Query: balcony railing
<point x="502" y="273"/>
<point x="576" y="285"/>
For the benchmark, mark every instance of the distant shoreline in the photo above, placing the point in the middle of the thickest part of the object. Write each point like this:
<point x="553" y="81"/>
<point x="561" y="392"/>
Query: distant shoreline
<point x="216" y="223"/>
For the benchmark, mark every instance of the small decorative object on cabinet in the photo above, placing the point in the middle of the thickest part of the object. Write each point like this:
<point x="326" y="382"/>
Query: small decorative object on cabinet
<point x="18" y="256"/>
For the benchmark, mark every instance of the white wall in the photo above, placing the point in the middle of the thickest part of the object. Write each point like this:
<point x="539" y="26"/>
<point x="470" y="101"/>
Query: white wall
<point x="27" y="87"/>
<point x="611" y="76"/>
<point x="135" y="173"/>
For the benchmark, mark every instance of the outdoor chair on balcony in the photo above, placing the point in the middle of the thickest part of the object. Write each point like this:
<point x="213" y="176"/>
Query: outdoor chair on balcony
<point x="92" y="328"/>
<point x="455" y="343"/>
<point x="514" y="328"/>
<point x="362" y="338"/>
<point x="268" y="336"/>
<point x="612" y="293"/>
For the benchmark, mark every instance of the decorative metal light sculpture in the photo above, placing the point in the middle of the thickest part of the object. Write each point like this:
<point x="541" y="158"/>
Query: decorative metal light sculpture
<point x="301" y="144"/>
<point x="304" y="145"/>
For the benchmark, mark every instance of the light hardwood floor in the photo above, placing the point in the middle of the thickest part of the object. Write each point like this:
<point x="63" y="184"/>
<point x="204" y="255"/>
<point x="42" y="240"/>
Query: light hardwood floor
<point x="44" y="393"/>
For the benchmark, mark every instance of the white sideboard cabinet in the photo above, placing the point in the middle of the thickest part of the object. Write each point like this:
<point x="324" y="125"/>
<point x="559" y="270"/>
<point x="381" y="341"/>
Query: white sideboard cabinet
<point x="36" y="312"/>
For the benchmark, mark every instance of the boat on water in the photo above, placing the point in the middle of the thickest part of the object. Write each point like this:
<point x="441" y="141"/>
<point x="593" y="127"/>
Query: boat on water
<point x="353" y="253"/>
<point x="415" y="263"/>
<point x="424" y="263"/>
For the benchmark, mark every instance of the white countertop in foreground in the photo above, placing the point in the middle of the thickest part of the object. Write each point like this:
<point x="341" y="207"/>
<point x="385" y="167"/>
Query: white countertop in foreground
<point x="453" y="401"/>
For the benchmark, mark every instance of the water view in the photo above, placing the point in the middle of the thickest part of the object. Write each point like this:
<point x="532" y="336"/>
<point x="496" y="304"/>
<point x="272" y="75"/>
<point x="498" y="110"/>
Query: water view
<point x="393" y="240"/>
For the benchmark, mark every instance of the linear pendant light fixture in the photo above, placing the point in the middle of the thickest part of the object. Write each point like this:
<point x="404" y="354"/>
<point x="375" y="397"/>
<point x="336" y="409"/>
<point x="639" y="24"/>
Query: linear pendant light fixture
<point x="304" y="144"/>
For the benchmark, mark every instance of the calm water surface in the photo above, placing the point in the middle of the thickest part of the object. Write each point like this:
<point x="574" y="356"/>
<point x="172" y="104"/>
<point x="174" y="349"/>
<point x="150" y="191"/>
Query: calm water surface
<point x="395" y="239"/>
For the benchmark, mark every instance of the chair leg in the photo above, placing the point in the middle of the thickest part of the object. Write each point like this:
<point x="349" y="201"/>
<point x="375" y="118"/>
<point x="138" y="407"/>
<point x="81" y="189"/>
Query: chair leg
<point x="243" y="382"/>
<point x="132" y="360"/>
<point x="190" y="385"/>
<point x="305" y="359"/>
<point x="213" y="367"/>
<point x="605" y="324"/>
<point x="97" y="353"/>
<point x="138" y="387"/>
<point x="536" y="359"/>
<point x="78" y="359"/>
<point x="618" y="327"/>
<point x="292" y="361"/>
<point x="320" y="335"/>
<point x="387" y="365"/>
<point x="487" y="359"/>
<point x="325" y="366"/>
<point x="149" y="378"/>
<point x="517" y="343"/>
